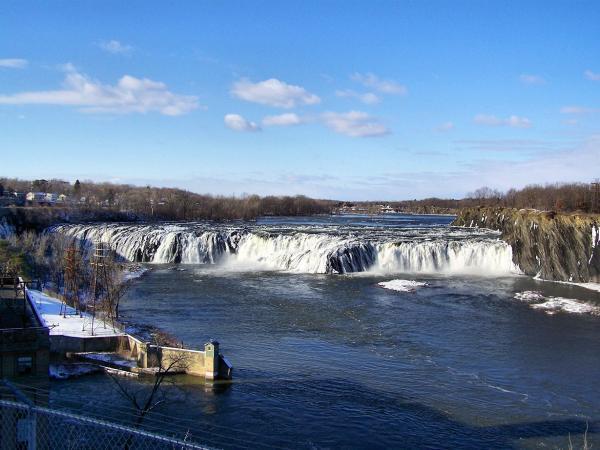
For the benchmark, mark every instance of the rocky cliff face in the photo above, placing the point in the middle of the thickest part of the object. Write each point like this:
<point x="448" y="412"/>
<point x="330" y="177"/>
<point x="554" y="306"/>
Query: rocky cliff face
<point x="561" y="247"/>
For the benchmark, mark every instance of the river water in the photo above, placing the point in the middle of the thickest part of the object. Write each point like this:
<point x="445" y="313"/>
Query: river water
<point x="458" y="351"/>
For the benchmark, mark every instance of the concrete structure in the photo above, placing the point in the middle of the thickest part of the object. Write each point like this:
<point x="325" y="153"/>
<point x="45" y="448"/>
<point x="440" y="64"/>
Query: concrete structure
<point x="211" y="359"/>
<point x="127" y="353"/>
<point x="116" y="349"/>
<point x="209" y="363"/>
<point x="24" y="340"/>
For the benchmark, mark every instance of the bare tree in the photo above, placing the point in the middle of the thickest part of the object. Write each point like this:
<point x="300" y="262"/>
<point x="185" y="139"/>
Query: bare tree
<point x="143" y="399"/>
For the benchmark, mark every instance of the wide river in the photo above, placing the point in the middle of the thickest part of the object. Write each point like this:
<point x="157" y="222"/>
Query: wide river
<point x="458" y="351"/>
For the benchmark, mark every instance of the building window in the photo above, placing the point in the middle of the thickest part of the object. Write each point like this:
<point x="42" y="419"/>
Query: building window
<point x="24" y="365"/>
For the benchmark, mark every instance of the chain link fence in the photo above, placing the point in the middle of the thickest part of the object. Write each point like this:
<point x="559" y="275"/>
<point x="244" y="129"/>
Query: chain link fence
<point x="26" y="426"/>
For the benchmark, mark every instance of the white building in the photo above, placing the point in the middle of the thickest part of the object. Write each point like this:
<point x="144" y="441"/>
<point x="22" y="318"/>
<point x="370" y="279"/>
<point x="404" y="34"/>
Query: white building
<point x="42" y="198"/>
<point x="36" y="197"/>
<point x="51" y="197"/>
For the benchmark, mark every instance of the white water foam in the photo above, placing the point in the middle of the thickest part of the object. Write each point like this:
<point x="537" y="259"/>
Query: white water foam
<point x="560" y="304"/>
<point x="553" y="305"/>
<point x="402" y="285"/>
<point x="529" y="296"/>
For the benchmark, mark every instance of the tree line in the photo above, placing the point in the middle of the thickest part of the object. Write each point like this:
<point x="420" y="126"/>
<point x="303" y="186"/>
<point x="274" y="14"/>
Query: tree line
<point x="169" y="203"/>
<point x="155" y="203"/>
<point x="561" y="197"/>
<point x="566" y="197"/>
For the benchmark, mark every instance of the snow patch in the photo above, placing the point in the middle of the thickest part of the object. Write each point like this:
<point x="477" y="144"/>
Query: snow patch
<point x="402" y="285"/>
<point x="65" y="371"/>
<point x="69" y="324"/>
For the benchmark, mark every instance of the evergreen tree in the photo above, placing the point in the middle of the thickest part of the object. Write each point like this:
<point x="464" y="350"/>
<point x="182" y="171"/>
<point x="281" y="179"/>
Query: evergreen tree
<point x="77" y="189"/>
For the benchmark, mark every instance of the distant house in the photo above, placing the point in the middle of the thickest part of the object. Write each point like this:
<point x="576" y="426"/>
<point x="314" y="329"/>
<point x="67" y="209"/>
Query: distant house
<point x="62" y="198"/>
<point x="35" y="197"/>
<point x="41" y="198"/>
<point x="51" y="197"/>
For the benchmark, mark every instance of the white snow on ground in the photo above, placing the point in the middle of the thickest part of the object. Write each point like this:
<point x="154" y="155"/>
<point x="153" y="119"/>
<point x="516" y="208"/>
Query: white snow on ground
<point x="65" y="371"/>
<point x="552" y="305"/>
<point x="590" y="286"/>
<point x="402" y="285"/>
<point x="71" y="325"/>
<point x="106" y="357"/>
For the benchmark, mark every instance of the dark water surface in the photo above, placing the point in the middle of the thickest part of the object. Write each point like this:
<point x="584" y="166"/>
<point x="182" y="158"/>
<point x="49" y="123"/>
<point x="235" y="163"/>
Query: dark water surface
<point x="336" y="361"/>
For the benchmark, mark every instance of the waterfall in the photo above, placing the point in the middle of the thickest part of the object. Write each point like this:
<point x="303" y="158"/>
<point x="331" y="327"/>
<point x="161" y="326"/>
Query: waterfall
<point x="301" y="251"/>
<point x="489" y="257"/>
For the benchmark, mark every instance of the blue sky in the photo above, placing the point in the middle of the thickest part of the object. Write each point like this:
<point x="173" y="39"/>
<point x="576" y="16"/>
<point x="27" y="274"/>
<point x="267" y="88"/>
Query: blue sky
<point x="332" y="99"/>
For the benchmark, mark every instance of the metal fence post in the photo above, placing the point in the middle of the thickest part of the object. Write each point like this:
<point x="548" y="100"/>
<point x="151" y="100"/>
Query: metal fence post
<point x="32" y="435"/>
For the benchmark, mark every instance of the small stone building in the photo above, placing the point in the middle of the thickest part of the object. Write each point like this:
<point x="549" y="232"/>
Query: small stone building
<point x="24" y="340"/>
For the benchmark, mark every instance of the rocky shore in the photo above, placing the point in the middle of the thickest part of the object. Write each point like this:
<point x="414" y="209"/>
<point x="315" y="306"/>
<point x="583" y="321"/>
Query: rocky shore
<point x="549" y="245"/>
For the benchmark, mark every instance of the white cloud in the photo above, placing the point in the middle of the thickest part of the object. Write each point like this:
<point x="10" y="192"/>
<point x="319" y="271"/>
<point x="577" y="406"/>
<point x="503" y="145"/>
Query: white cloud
<point x="129" y="95"/>
<point x="446" y="126"/>
<point x="13" y="63"/>
<point x="384" y="86"/>
<point x="354" y="124"/>
<point x="115" y="47"/>
<point x="368" y="97"/>
<point x="282" y="120"/>
<point x="531" y="79"/>
<point x="511" y="121"/>
<point x="593" y="76"/>
<point x="574" y="109"/>
<point x="238" y="123"/>
<point x="273" y="92"/>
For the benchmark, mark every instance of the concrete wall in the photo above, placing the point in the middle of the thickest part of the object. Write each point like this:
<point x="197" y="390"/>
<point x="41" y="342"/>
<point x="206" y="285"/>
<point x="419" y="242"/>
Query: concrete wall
<point x="132" y="348"/>
<point x="74" y="344"/>
<point x="180" y="359"/>
<point x="25" y="342"/>
<point x="209" y="364"/>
